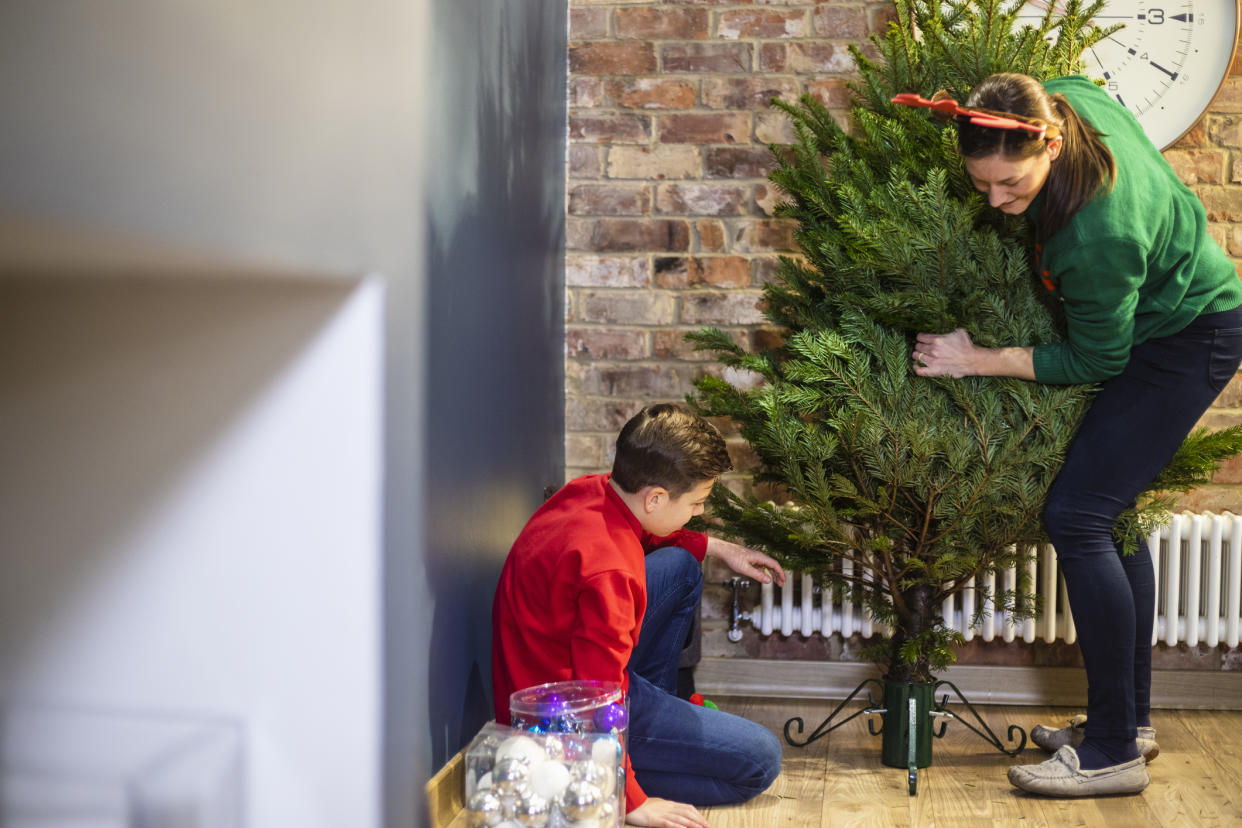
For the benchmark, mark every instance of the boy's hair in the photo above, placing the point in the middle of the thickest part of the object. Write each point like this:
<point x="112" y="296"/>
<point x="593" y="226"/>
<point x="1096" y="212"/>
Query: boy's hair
<point x="663" y="445"/>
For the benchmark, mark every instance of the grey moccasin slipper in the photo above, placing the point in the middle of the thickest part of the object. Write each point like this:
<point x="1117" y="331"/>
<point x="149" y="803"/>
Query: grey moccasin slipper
<point x="1061" y="776"/>
<point x="1052" y="739"/>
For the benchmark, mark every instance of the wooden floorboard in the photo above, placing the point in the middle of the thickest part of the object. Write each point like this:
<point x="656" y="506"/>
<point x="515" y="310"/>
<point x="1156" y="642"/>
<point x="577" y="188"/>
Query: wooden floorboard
<point x="839" y="780"/>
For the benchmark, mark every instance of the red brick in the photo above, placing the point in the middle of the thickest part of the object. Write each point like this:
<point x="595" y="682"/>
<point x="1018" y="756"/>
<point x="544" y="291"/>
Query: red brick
<point x="844" y="22"/>
<point x="740" y="23"/>
<point x="1229" y="98"/>
<point x="695" y="271"/>
<point x="660" y="162"/>
<point x="635" y="381"/>
<point x="629" y="307"/>
<point x="607" y="271"/>
<point x="671" y="343"/>
<point x="831" y="92"/>
<point x="774" y="127"/>
<point x="1216" y="419"/>
<point x="768" y="197"/>
<point x="610" y="129"/>
<point x="1230" y="471"/>
<point x="1196" y="136"/>
<point x="706" y="57"/>
<point x="739" y="162"/>
<point x="578" y="233"/>
<point x="1219" y="233"/>
<point x="773" y="57"/>
<point x="1235" y="170"/>
<point x="630" y="57"/>
<point x="1197" y="166"/>
<point x="704" y="128"/>
<point x="584" y="450"/>
<point x="611" y="343"/>
<point x="766" y="269"/>
<point x="881" y="15"/>
<point x="763" y="339"/>
<point x="586" y="92"/>
<point x="652" y="93"/>
<point x="743" y="456"/>
<point x="640" y="234"/>
<point x="588" y="23"/>
<point x="701" y="199"/>
<point x="1222" y="204"/>
<point x="1225" y="130"/>
<point x="748" y="92"/>
<point x="1219" y="498"/>
<point x="711" y="235"/>
<point x="607" y="415"/>
<point x="764" y="236"/>
<point x="585" y="161"/>
<point x="816" y="56"/>
<point x="1234" y="244"/>
<point x="609" y="200"/>
<point x="736" y="308"/>
<point x="662" y="24"/>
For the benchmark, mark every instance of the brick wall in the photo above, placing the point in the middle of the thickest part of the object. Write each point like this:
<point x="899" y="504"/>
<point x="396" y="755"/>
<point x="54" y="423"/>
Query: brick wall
<point x="670" y="212"/>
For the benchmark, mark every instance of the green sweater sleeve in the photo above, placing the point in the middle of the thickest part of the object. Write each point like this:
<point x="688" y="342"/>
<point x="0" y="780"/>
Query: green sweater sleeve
<point x="1099" y="285"/>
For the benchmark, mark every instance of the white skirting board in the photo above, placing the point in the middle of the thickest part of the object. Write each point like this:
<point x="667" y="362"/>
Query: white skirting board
<point x="1054" y="686"/>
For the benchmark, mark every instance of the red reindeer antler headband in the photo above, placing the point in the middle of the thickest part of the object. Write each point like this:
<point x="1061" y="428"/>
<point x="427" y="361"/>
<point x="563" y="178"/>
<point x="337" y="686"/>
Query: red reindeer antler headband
<point x="979" y="117"/>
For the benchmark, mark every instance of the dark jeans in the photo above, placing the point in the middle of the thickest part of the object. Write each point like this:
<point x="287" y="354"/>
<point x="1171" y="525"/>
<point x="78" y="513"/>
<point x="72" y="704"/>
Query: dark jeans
<point x="1134" y="426"/>
<point x="678" y="750"/>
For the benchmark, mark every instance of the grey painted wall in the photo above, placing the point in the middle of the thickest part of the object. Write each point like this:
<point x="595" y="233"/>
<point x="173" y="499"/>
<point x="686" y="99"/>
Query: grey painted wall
<point x="420" y="142"/>
<point x="494" y="187"/>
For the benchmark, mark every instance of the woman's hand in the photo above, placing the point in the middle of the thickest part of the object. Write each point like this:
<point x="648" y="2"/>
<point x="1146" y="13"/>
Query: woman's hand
<point x="664" y="813"/>
<point x="749" y="563"/>
<point x="945" y="355"/>
<point x="955" y="355"/>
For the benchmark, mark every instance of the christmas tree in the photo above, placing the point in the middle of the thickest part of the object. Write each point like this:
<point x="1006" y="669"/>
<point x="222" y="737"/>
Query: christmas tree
<point x="903" y="489"/>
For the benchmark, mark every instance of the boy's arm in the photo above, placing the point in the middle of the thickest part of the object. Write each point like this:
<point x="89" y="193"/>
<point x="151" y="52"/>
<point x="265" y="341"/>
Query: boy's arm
<point x="693" y="542"/>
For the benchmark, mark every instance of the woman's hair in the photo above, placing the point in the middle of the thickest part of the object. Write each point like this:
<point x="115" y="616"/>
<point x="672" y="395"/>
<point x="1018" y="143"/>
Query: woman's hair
<point x="664" y="445"/>
<point x="1084" y="165"/>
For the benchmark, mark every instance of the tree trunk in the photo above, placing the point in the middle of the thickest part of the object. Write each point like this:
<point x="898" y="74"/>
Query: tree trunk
<point x="919" y="616"/>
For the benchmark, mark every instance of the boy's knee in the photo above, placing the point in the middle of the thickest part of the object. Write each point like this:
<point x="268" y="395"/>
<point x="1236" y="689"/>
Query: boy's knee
<point x="679" y="562"/>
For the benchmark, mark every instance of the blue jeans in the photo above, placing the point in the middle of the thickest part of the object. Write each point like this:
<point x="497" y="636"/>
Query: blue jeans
<point x="678" y="750"/>
<point x="1135" y="424"/>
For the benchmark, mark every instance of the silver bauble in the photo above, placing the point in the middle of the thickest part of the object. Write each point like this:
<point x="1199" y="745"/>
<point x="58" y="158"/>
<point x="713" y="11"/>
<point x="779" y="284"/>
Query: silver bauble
<point x="581" y="800"/>
<point x="508" y="774"/>
<point x="531" y="809"/>
<point x="483" y="810"/>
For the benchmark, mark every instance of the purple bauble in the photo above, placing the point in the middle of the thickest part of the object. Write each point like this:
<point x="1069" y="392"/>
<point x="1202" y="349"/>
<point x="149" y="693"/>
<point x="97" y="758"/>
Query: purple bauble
<point x="610" y="717"/>
<point x="553" y="705"/>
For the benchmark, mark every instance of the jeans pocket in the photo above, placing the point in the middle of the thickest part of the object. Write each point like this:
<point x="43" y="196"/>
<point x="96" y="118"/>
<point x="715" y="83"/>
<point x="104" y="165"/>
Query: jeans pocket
<point x="1225" y="358"/>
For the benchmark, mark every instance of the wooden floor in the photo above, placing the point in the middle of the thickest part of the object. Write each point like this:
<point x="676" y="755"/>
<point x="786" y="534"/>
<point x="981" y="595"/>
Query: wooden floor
<point x="839" y="781"/>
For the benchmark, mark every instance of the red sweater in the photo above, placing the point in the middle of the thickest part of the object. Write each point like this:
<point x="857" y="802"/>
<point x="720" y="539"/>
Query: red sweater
<point x="572" y="594"/>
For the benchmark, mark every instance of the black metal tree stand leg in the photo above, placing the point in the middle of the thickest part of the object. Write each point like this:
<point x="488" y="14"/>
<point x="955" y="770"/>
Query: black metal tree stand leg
<point x="906" y="716"/>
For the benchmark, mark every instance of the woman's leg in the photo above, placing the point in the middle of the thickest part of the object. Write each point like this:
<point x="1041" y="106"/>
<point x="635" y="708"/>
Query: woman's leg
<point x="1132" y="429"/>
<point x="693" y="754"/>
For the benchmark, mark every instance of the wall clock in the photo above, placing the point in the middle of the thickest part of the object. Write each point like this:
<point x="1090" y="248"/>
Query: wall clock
<point x="1167" y="64"/>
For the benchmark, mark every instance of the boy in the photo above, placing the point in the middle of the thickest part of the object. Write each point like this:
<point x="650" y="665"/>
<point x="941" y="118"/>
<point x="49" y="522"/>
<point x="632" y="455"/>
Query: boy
<point x="603" y="582"/>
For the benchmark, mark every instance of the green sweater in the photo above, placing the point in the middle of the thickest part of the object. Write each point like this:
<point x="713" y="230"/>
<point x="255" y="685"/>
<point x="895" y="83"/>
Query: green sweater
<point x="1133" y="264"/>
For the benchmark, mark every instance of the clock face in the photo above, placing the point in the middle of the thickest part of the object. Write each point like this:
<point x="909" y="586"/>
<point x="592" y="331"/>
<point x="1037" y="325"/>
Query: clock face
<point x="1168" y="62"/>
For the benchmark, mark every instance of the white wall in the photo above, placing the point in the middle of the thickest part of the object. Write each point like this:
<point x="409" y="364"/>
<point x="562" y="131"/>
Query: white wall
<point x="191" y="529"/>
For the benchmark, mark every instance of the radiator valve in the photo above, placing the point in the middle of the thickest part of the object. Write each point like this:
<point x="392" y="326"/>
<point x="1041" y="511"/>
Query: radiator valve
<point x="735" y="613"/>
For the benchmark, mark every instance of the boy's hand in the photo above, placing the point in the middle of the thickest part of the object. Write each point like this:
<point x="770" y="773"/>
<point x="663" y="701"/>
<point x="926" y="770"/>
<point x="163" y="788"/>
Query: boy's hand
<point x="664" y="813"/>
<point x="748" y="562"/>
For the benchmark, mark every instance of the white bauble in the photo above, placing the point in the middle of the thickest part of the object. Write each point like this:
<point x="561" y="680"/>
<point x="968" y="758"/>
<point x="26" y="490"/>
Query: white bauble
<point x="521" y="747"/>
<point x="606" y="752"/>
<point x="549" y="779"/>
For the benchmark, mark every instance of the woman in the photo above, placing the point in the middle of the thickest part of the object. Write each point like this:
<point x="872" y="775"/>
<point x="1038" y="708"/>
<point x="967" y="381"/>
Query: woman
<point x="1152" y="312"/>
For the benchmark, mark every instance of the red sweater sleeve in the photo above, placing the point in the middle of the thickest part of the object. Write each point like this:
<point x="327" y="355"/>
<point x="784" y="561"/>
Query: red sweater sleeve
<point x="693" y="542"/>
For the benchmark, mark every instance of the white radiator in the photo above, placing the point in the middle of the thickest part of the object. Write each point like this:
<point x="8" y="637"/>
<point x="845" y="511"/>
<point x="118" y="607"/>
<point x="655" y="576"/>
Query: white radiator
<point x="1198" y="594"/>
